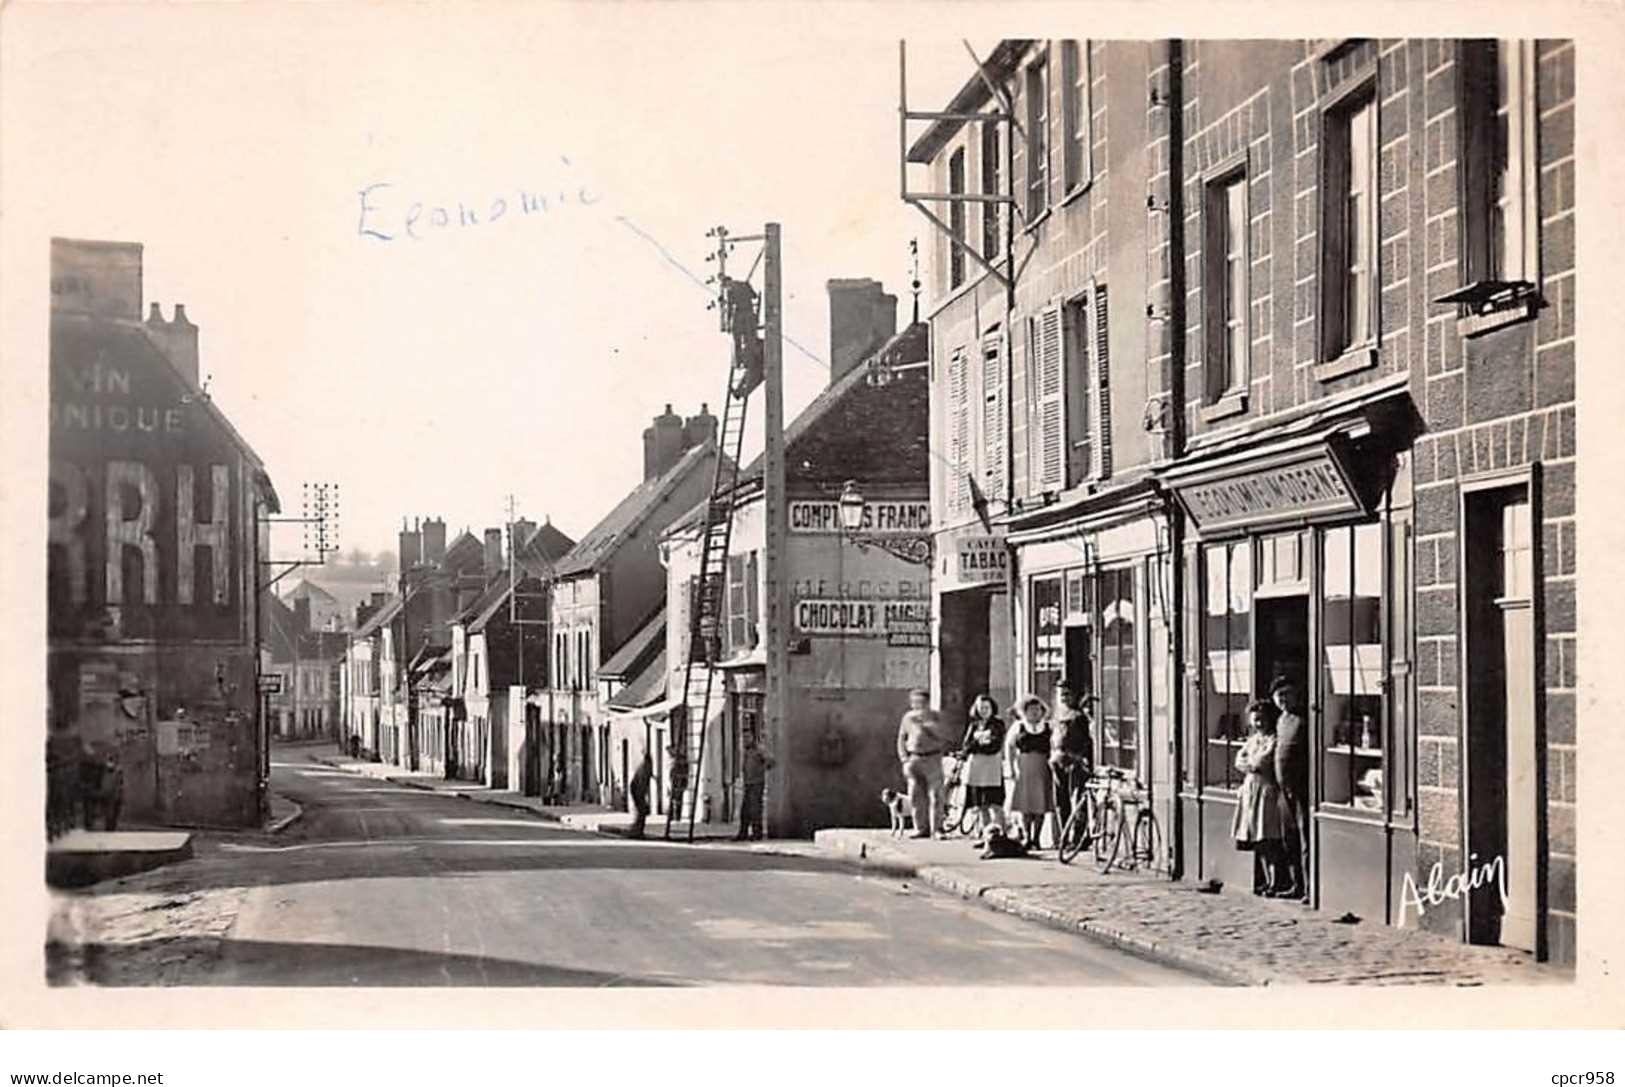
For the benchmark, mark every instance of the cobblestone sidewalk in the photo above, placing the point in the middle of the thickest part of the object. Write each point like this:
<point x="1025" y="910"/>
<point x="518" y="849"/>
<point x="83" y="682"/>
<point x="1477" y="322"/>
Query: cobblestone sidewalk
<point x="1228" y="936"/>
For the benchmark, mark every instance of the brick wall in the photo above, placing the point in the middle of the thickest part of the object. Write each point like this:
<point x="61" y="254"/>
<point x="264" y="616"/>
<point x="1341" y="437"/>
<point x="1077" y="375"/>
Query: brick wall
<point x="1497" y="401"/>
<point x="1505" y="402"/>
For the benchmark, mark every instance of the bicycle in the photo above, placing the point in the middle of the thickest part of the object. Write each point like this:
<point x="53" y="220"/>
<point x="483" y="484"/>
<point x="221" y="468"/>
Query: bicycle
<point x="1131" y="841"/>
<point x="957" y="816"/>
<point x="1083" y="822"/>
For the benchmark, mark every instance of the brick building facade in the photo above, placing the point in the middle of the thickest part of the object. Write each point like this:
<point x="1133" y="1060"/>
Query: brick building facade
<point x="1326" y="433"/>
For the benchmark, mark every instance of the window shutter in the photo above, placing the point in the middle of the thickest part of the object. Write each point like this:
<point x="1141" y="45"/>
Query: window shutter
<point x="1051" y="474"/>
<point x="958" y="432"/>
<point x="994" y="446"/>
<point x="753" y="602"/>
<point x="737" y="638"/>
<point x="1103" y="389"/>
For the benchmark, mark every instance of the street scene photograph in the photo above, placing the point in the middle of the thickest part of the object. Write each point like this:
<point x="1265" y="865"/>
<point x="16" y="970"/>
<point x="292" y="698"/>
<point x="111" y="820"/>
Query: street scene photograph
<point x="528" y="502"/>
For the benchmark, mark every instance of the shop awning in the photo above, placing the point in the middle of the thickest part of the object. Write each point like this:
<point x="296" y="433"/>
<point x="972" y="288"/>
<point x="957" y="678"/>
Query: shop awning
<point x="1315" y="466"/>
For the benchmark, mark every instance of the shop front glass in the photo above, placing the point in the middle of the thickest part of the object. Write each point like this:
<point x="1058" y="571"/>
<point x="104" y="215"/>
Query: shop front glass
<point x="1086" y="630"/>
<point x="1312" y="606"/>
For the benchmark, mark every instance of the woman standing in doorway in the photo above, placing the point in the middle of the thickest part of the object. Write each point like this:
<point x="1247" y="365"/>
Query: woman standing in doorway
<point x="982" y="747"/>
<point x="1026" y="754"/>
<point x="1264" y="818"/>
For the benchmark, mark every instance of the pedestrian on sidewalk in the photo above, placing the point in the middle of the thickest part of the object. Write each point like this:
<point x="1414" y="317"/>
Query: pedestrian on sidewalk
<point x="1292" y="773"/>
<point x="1264" y="819"/>
<point x="1072" y="750"/>
<point x="983" y="747"/>
<point x="920" y="747"/>
<point x="638" y="787"/>
<point x="754" y="763"/>
<point x="1026" y="755"/>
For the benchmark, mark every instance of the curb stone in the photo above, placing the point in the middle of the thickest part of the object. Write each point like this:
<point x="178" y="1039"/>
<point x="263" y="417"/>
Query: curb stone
<point x="280" y="825"/>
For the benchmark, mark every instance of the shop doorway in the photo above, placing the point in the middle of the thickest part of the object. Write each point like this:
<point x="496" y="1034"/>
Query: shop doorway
<point x="1503" y="765"/>
<point x="1283" y="643"/>
<point x="966" y="650"/>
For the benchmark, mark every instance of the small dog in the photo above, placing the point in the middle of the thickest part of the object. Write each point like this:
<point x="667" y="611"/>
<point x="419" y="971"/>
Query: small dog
<point x="1000" y="845"/>
<point x="897" y="807"/>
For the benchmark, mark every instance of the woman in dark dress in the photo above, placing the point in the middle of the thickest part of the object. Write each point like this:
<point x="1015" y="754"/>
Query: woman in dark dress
<point x="984" y="767"/>
<point x="1026" y="751"/>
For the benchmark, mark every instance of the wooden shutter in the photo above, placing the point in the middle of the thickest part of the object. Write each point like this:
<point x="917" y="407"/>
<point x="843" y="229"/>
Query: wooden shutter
<point x="1103" y="390"/>
<point x="994" y="445"/>
<point x="958" y="431"/>
<point x="1051" y="474"/>
<point x="737" y="624"/>
<point x="753" y="602"/>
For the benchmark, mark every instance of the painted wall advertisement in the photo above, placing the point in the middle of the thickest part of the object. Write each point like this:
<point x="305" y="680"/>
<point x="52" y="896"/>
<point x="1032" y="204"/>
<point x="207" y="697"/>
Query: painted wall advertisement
<point x="902" y="517"/>
<point x="901" y="622"/>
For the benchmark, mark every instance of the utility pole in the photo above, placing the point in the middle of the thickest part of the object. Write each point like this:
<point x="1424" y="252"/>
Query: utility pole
<point x="775" y="631"/>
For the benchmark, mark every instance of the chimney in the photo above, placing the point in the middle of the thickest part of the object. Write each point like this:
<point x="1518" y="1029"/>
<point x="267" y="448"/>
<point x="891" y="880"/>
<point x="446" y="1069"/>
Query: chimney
<point x="493" y="552"/>
<point x="662" y="444"/>
<point x="177" y="339"/>
<point x="862" y="317"/>
<point x="411" y="547"/>
<point x="700" y="428"/>
<point x="434" y="540"/>
<point x="100" y="278"/>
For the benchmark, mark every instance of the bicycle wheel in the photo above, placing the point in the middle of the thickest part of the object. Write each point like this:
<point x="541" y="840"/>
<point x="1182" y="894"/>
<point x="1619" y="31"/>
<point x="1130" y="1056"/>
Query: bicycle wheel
<point x="1145" y="839"/>
<point x="1075" y="836"/>
<point x="966" y="823"/>
<point x="1107" y="830"/>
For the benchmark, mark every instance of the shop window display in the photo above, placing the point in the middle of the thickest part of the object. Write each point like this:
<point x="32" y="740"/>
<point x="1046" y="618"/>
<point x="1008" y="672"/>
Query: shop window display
<point x="1352" y="726"/>
<point x="1229" y="678"/>
<point x="1049" y="656"/>
<point x="1119" y="686"/>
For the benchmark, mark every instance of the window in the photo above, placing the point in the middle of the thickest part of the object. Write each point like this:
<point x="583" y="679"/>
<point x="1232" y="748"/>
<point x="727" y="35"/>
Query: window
<point x="1049" y="642"/>
<point x="1075" y="118"/>
<point x="1080" y="390"/>
<point x="992" y="185"/>
<point x="1352" y="686"/>
<point x="1037" y="92"/>
<point x="1517" y="551"/>
<point x="1500" y="235"/>
<point x="956" y="219"/>
<point x="1227" y="637"/>
<point x="1119" y="685"/>
<point x="959" y="452"/>
<point x="994" y="422"/>
<point x="1048" y="471"/>
<point x="1225" y="291"/>
<point x="1349" y="227"/>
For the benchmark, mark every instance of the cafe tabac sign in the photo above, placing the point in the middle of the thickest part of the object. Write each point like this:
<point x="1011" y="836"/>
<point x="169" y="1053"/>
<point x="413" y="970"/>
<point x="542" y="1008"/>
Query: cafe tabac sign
<point x="1309" y="485"/>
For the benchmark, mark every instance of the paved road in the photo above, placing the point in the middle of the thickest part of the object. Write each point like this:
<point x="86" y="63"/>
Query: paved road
<point x="379" y="884"/>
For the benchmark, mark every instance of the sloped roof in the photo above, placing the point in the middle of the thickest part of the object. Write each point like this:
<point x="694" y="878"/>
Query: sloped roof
<point x="857" y="430"/>
<point x="644" y="689"/>
<point x="635" y="652"/>
<point x="598" y="544"/>
<point x="88" y="339"/>
<point x="546" y="546"/>
<point x="390" y="609"/>
<point x="494" y="593"/>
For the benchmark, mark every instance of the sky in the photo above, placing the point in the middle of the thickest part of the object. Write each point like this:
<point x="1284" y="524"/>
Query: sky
<point x="269" y="159"/>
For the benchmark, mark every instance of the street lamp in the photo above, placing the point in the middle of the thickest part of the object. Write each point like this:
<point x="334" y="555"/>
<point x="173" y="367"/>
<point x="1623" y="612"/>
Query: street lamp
<point x="851" y="508"/>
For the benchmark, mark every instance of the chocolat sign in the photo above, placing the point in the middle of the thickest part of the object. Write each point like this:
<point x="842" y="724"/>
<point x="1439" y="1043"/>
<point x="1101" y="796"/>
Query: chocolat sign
<point x="901" y="622"/>
<point x="1305" y="488"/>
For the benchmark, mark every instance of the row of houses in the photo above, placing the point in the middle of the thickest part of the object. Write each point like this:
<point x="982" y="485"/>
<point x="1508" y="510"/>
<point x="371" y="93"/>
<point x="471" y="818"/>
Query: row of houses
<point x="1262" y="365"/>
<point x="553" y="674"/>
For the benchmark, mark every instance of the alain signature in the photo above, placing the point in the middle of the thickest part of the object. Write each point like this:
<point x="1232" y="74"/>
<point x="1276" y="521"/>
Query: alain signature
<point x="1441" y="888"/>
